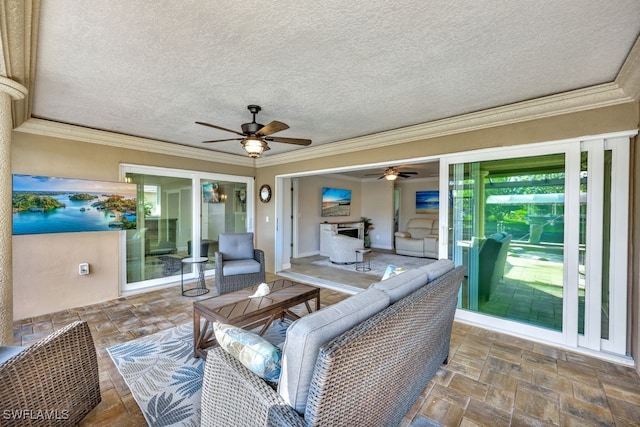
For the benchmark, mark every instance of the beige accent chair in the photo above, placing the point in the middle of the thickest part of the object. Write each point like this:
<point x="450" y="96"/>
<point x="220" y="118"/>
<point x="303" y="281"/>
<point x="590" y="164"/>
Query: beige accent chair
<point x="343" y="248"/>
<point x="420" y="239"/>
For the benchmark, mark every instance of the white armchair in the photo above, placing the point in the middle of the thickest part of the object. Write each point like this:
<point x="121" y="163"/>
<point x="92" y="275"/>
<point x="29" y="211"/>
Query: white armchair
<point x="343" y="248"/>
<point x="420" y="239"/>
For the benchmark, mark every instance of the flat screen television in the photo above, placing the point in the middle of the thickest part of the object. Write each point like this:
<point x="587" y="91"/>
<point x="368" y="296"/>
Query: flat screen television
<point x="336" y="202"/>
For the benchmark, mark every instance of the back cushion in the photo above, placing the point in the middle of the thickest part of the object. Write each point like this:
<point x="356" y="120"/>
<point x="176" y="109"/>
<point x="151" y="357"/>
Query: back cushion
<point x="401" y="285"/>
<point x="438" y="268"/>
<point x="420" y="227"/>
<point x="236" y="245"/>
<point x="307" y="334"/>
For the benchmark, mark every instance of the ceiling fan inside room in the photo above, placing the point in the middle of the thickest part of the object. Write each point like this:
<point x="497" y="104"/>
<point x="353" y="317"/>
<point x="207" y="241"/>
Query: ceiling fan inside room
<point x="392" y="173"/>
<point x="255" y="135"/>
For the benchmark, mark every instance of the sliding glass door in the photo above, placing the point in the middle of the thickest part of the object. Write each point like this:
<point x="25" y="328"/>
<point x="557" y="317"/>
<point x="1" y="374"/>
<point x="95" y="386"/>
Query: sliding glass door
<point x="180" y="214"/>
<point x="535" y="228"/>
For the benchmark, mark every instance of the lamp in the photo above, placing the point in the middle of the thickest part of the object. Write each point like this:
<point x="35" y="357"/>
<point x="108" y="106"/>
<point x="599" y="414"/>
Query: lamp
<point x="391" y="175"/>
<point x="253" y="145"/>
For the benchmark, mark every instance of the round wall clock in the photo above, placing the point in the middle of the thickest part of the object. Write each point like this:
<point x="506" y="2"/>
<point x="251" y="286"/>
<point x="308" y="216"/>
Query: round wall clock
<point x="265" y="193"/>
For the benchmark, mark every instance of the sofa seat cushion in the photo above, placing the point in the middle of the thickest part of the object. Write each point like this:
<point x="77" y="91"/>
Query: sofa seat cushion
<point x="241" y="266"/>
<point x="438" y="268"/>
<point x="254" y="352"/>
<point x="8" y="351"/>
<point x="307" y="334"/>
<point x="401" y="285"/>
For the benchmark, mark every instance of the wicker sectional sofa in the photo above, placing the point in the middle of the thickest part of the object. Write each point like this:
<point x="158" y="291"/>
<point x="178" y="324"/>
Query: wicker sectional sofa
<point x="361" y="362"/>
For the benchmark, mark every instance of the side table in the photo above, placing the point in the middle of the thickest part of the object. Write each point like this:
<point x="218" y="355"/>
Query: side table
<point x="199" y="263"/>
<point x="363" y="263"/>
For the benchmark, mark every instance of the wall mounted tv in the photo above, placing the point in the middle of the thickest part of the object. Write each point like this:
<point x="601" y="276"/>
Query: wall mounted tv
<point x="336" y="202"/>
<point x="43" y="204"/>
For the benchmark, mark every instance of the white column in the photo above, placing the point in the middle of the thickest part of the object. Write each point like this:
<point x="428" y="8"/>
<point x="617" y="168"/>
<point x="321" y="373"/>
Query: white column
<point x="9" y="90"/>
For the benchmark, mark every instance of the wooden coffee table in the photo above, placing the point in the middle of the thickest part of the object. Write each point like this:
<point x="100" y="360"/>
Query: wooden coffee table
<point x="236" y="308"/>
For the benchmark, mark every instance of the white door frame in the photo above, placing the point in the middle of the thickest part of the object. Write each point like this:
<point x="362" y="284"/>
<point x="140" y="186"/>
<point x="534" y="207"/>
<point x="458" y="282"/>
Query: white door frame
<point x="615" y="347"/>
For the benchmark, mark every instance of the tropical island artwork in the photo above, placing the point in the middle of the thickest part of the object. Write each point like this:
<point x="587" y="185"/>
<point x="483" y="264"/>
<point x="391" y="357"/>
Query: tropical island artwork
<point x="43" y="204"/>
<point x="336" y="202"/>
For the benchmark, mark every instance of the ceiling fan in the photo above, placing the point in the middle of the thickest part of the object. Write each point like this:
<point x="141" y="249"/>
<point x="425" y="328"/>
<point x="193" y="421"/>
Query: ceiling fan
<point x="255" y="135"/>
<point x="392" y="173"/>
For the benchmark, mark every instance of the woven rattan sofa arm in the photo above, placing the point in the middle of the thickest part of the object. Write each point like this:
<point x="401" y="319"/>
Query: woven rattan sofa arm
<point x="56" y="379"/>
<point x="258" y="255"/>
<point x="233" y="395"/>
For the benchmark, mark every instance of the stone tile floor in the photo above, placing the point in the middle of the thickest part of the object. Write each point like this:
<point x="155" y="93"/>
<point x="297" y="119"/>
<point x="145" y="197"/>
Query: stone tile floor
<point x="492" y="379"/>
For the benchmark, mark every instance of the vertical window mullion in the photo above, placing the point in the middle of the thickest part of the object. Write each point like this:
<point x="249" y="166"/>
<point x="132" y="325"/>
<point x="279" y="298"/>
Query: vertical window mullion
<point x="593" y="256"/>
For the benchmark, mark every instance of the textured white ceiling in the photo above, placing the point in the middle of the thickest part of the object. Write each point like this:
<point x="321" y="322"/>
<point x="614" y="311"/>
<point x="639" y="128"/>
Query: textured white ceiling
<point x="332" y="70"/>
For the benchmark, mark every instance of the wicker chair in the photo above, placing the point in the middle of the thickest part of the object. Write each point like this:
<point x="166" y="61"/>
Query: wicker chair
<point x="56" y="377"/>
<point x="238" y="264"/>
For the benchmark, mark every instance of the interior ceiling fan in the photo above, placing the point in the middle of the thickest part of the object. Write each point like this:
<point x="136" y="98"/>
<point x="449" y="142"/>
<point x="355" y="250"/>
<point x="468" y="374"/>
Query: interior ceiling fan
<point x="255" y="135"/>
<point x="392" y="173"/>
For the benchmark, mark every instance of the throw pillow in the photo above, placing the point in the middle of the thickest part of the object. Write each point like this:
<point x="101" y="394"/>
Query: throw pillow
<point x="254" y="352"/>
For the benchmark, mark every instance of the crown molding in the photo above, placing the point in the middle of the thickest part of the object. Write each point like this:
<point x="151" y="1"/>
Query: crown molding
<point x="598" y="96"/>
<point x="93" y="136"/>
<point x="629" y="76"/>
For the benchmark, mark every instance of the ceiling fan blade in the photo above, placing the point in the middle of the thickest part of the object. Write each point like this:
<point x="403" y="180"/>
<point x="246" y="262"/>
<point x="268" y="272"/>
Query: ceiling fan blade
<point x="219" y="128"/>
<point x="227" y="139"/>
<point x="271" y="128"/>
<point x="405" y="175"/>
<point x="297" y="141"/>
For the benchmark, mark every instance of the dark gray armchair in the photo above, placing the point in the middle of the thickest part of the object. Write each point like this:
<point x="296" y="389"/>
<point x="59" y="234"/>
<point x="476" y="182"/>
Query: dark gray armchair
<point x="492" y="261"/>
<point x="238" y="264"/>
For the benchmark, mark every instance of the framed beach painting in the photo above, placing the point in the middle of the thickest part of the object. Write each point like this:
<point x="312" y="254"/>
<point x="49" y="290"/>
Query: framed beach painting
<point x="336" y="202"/>
<point x="427" y="202"/>
<point x="44" y="204"/>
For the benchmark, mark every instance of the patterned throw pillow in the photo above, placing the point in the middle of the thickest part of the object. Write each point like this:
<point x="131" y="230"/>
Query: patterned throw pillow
<point x="254" y="352"/>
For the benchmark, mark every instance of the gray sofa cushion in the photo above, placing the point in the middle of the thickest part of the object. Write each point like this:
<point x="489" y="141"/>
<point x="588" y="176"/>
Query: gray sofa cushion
<point x="438" y="268"/>
<point x="401" y="285"/>
<point x="241" y="266"/>
<point x="307" y="334"/>
<point x="7" y="352"/>
<point x="236" y="246"/>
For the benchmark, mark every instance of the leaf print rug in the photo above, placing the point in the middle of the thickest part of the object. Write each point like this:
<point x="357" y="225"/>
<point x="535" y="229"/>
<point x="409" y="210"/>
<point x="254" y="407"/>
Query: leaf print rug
<point x="164" y="377"/>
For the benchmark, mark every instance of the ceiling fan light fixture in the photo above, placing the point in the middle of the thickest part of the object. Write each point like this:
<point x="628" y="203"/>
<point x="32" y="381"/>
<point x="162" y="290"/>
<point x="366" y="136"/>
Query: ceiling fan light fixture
<point x="391" y="177"/>
<point x="253" y="145"/>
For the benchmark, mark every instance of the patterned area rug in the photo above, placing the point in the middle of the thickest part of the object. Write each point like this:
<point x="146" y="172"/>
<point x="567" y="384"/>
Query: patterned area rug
<point x="164" y="377"/>
<point x="379" y="262"/>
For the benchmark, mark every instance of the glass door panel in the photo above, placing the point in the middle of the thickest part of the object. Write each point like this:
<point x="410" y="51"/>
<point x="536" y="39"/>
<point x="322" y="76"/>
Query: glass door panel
<point x="507" y="220"/>
<point x="164" y="227"/>
<point x="224" y="210"/>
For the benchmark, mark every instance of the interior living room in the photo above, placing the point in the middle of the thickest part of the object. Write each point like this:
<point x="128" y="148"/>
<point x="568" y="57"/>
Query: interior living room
<point x="505" y="137"/>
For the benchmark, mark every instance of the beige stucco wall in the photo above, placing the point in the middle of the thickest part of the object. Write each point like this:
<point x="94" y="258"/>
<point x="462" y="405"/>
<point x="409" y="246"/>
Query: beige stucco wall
<point x="45" y="266"/>
<point x="598" y="121"/>
<point x="45" y="278"/>
<point x="592" y="122"/>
